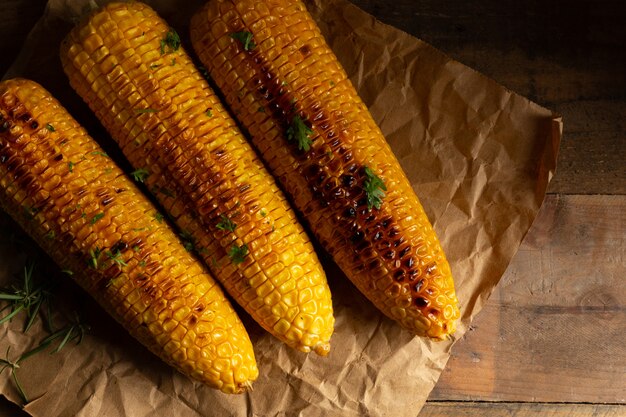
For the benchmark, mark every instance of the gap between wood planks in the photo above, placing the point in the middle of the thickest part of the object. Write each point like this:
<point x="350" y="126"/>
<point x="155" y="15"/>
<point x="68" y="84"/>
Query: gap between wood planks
<point x="553" y="330"/>
<point x="520" y="409"/>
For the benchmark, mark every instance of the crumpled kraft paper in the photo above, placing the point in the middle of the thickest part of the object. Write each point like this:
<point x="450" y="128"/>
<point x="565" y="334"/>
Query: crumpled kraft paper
<point x="479" y="157"/>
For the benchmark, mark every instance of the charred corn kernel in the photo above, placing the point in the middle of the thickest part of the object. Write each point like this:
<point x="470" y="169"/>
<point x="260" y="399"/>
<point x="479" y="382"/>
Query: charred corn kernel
<point x="304" y="116"/>
<point x="107" y="236"/>
<point x="127" y="64"/>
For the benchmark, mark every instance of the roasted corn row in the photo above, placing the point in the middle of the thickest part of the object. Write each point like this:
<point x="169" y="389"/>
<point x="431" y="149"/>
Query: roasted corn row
<point x="72" y="199"/>
<point x="318" y="138"/>
<point x="128" y="65"/>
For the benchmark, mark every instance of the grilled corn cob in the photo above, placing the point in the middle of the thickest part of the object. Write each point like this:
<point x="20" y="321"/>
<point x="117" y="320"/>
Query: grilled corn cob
<point x="128" y="65"/>
<point x="318" y="138"/>
<point x="59" y="185"/>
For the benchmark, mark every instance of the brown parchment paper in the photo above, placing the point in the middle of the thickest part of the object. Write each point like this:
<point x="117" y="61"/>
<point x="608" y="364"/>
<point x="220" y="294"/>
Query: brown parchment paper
<point x="479" y="156"/>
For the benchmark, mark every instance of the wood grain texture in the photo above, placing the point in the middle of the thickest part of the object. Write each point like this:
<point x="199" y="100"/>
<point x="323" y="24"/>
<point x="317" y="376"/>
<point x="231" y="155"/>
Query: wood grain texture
<point x="16" y="19"/>
<point x="554" y="328"/>
<point x="553" y="331"/>
<point x="566" y="56"/>
<point x="473" y="409"/>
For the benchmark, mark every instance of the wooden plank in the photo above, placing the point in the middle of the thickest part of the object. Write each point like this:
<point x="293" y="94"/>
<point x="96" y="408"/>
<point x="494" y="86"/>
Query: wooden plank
<point x="563" y="58"/>
<point x="553" y="331"/>
<point x="489" y="409"/>
<point x="16" y="19"/>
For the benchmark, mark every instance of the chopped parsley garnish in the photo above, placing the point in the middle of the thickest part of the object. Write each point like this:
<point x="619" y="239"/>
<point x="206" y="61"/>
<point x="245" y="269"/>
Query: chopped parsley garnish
<point x="238" y="254"/>
<point x="209" y="113"/>
<point x="173" y="62"/>
<point x="171" y="41"/>
<point x="50" y="235"/>
<point x="140" y="174"/>
<point x="50" y="127"/>
<point x="70" y="166"/>
<point x="245" y="38"/>
<point x="95" y="218"/>
<point x="261" y="109"/>
<point x="374" y="188"/>
<point x="263" y="213"/>
<point x="100" y="153"/>
<point x="158" y="217"/>
<point x="226" y="224"/>
<point x="142" y="263"/>
<point x="300" y="132"/>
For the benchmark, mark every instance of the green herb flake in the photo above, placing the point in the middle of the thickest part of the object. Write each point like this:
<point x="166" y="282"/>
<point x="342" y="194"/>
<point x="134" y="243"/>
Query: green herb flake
<point x="299" y="131"/>
<point x="144" y="111"/>
<point x="136" y="248"/>
<point x="245" y="38"/>
<point x="263" y="213"/>
<point x="50" y="127"/>
<point x="94" y="255"/>
<point x="188" y="241"/>
<point x="116" y="257"/>
<point x="154" y="66"/>
<point x="140" y="174"/>
<point x="50" y="235"/>
<point x="226" y="224"/>
<point x="171" y="41"/>
<point x="29" y="212"/>
<point x="142" y="263"/>
<point x="173" y="62"/>
<point x="95" y="218"/>
<point x="238" y="254"/>
<point x="99" y="153"/>
<point x="67" y="271"/>
<point x="209" y="112"/>
<point x="261" y="109"/>
<point x="70" y="166"/>
<point x="158" y="217"/>
<point x="332" y="83"/>
<point x="374" y="188"/>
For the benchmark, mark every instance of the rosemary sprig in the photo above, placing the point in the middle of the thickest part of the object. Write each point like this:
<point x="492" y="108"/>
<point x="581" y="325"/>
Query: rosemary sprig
<point x="29" y="297"/>
<point x="72" y="331"/>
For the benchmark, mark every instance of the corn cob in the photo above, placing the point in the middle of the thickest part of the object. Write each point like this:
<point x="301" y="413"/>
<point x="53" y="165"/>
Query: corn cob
<point x="59" y="185"/>
<point x="316" y="135"/>
<point x="128" y="65"/>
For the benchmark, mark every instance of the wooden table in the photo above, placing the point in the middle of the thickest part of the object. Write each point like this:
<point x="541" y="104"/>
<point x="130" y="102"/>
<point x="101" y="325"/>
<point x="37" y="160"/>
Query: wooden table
<point x="551" y="340"/>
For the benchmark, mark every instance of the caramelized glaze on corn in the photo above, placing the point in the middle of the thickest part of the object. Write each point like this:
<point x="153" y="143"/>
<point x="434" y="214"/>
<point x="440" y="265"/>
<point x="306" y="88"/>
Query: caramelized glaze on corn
<point x="59" y="185"/>
<point x="125" y="63"/>
<point x="270" y="55"/>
